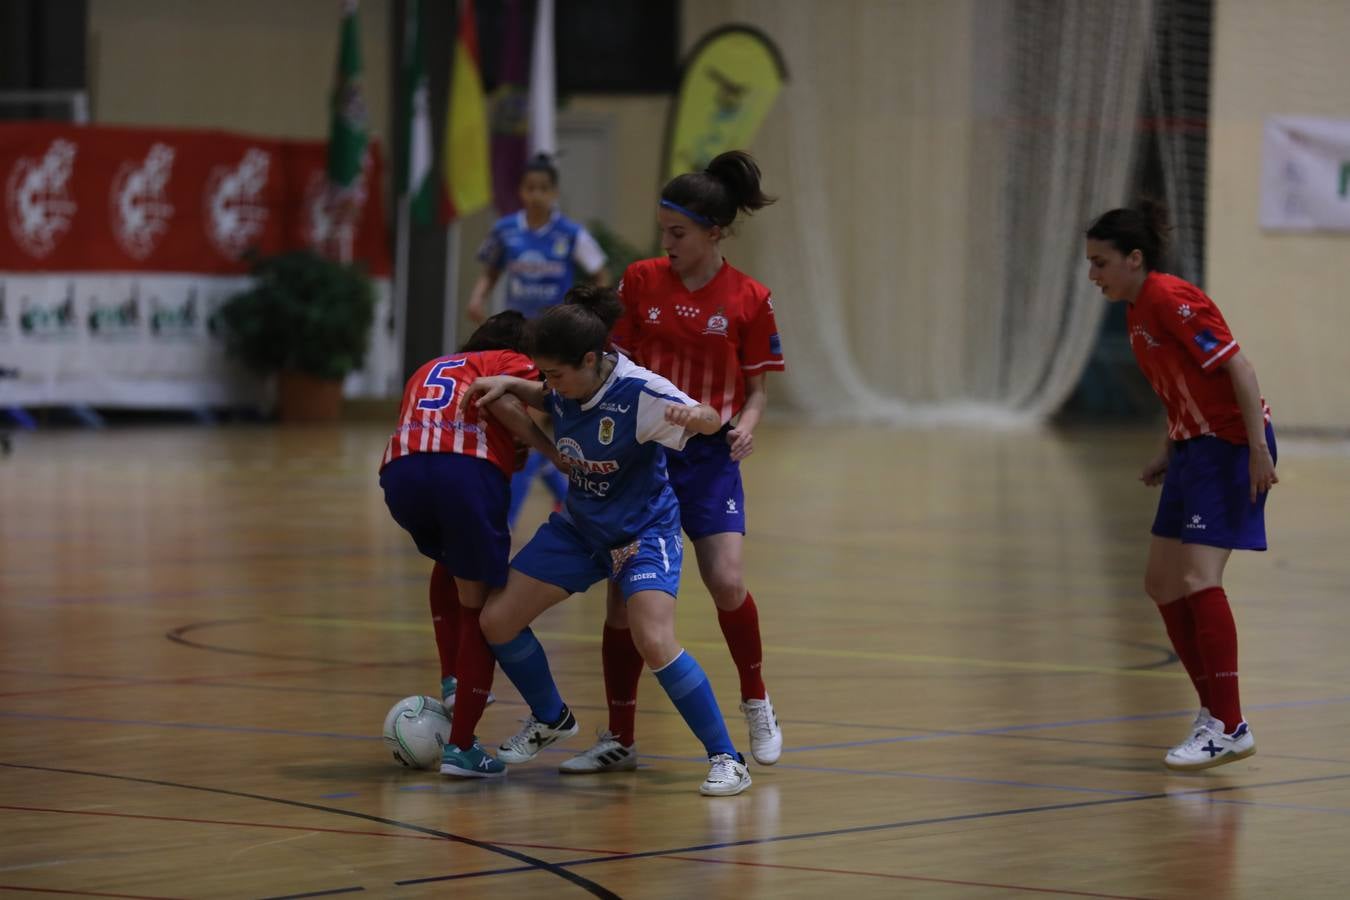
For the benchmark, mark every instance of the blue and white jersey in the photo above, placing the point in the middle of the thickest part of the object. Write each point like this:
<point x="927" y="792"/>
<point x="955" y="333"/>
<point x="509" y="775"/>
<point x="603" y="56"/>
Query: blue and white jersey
<point x="617" y="438"/>
<point x="539" y="264"/>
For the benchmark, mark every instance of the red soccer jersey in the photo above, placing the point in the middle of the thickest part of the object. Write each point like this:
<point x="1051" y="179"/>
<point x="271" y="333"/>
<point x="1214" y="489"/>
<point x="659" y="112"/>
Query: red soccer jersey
<point x="431" y="421"/>
<point x="706" y="341"/>
<point x="1180" y="340"/>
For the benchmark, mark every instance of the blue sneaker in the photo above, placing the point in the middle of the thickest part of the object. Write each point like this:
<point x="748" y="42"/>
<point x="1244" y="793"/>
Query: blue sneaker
<point x="471" y="763"/>
<point x="449" y="685"/>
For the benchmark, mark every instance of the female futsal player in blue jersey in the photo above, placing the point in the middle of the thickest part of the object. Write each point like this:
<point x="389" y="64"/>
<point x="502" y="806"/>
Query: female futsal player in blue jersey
<point x="541" y="252"/>
<point x="611" y="421"/>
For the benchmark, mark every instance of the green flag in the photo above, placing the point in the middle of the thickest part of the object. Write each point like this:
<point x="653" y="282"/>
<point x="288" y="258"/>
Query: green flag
<point x="347" y="135"/>
<point x="416" y="180"/>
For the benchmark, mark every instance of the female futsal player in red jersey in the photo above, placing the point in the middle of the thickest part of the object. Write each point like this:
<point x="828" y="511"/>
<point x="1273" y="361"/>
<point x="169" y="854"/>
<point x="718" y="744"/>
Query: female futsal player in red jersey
<point x="709" y="329"/>
<point x="1216" y="465"/>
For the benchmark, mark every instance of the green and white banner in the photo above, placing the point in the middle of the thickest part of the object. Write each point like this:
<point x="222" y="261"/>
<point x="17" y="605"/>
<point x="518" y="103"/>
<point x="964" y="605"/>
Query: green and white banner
<point x="1305" y="174"/>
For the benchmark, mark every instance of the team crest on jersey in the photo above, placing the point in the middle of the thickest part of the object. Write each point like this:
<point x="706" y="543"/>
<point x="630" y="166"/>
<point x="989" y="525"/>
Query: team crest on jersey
<point x="717" y="324"/>
<point x="606" y="433"/>
<point x="560" y="247"/>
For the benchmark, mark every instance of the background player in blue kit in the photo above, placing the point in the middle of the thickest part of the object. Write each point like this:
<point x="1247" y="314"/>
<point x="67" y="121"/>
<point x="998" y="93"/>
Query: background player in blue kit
<point x="611" y="421"/>
<point x="540" y="251"/>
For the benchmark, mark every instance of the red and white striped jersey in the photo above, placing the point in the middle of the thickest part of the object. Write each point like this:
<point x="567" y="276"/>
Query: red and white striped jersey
<point x="705" y="342"/>
<point x="431" y="421"/>
<point x="1181" y="340"/>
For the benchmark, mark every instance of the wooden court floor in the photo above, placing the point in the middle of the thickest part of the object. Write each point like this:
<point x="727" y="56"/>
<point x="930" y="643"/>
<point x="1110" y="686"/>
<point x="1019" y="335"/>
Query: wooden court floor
<point x="202" y="628"/>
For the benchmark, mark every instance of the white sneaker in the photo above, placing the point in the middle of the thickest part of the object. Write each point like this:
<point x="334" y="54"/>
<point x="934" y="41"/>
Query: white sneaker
<point x="608" y="755"/>
<point x="766" y="737"/>
<point x="727" y="776"/>
<point x="535" y="736"/>
<point x="1208" y="746"/>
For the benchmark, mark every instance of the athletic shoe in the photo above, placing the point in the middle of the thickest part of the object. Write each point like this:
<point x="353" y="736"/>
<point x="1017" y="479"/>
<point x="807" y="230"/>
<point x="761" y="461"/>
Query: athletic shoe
<point x="608" y="755"/>
<point x="1209" y="746"/>
<point x="727" y="776"/>
<point x="472" y="763"/>
<point x="535" y="736"/>
<point x="449" y="686"/>
<point x="766" y="737"/>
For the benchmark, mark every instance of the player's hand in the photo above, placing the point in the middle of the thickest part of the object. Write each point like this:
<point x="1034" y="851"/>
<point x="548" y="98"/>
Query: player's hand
<point x="1155" y="470"/>
<point x="483" y="391"/>
<point x="1261" y="470"/>
<point x="679" y="414"/>
<point x="742" y="443"/>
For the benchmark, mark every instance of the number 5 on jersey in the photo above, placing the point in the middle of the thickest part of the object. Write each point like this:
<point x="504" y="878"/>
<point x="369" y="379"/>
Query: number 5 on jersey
<point x="437" y="378"/>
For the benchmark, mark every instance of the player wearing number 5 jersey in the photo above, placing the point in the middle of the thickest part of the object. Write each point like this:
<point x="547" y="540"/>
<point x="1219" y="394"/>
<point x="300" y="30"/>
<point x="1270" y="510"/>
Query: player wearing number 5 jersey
<point x="709" y="328"/>
<point x="445" y="475"/>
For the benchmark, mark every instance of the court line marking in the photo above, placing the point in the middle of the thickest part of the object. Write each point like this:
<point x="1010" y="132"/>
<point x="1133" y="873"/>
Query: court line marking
<point x="891" y="826"/>
<point x="532" y="864"/>
<point x="74" y="893"/>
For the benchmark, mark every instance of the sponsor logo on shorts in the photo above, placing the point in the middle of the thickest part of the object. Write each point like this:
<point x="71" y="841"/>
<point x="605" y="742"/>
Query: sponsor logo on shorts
<point x="1196" y="524"/>
<point x="642" y="576"/>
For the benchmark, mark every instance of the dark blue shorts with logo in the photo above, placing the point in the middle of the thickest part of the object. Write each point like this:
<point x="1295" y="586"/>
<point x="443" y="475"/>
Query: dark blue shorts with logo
<point x="454" y="506"/>
<point x="1206" y="495"/>
<point x="707" y="483"/>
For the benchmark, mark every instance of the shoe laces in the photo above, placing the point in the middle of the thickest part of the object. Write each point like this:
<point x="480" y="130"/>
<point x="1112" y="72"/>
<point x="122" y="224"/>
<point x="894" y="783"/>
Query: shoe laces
<point x="762" y="724"/>
<point x="520" y="741"/>
<point x="723" y="768"/>
<point x="603" y="738"/>
<point x="1198" y="738"/>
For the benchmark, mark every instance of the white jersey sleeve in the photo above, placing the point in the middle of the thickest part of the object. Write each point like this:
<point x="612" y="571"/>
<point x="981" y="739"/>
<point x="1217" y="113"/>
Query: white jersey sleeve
<point x="587" y="253"/>
<point x="657" y="394"/>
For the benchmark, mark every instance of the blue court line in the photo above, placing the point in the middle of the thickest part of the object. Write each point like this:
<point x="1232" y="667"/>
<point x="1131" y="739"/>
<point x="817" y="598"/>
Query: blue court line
<point x="866" y="829"/>
<point x="960" y="779"/>
<point x="195" y="726"/>
<point x="1072" y="723"/>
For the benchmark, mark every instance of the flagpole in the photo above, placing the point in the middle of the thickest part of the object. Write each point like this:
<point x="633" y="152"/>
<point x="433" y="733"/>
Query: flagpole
<point x="402" y="240"/>
<point x="450" y="304"/>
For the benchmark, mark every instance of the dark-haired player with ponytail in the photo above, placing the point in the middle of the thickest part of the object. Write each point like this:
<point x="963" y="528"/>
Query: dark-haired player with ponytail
<point x="445" y="475"/>
<point x="1216" y="465"/>
<point x="612" y="421"/>
<point x="709" y="328"/>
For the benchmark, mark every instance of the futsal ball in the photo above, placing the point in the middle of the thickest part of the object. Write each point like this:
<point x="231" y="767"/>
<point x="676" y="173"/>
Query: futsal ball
<point x="415" y="731"/>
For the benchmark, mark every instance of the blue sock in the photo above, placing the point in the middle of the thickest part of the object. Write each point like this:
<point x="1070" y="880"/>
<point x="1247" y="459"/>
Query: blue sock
<point x="692" y="695"/>
<point x="522" y="659"/>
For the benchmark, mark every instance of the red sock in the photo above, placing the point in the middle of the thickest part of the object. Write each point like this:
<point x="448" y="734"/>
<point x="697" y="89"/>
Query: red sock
<point x="474" y="667"/>
<point x="445" y="616"/>
<point x="623" y="670"/>
<point x="741" y="629"/>
<point x="1180" y="624"/>
<point x="1216" y="636"/>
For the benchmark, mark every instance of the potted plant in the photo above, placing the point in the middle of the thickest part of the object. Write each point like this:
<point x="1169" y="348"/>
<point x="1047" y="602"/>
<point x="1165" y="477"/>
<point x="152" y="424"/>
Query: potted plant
<point x="307" y="320"/>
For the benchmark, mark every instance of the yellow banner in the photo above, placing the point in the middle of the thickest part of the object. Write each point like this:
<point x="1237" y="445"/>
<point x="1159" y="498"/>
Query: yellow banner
<point x="728" y="85"/>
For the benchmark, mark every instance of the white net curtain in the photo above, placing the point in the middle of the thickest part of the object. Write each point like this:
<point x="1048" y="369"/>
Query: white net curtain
<point x="936" y="164"/>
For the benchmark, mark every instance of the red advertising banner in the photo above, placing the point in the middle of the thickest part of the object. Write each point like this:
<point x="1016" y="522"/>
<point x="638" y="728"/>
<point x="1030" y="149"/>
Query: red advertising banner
<point x="105" y="199"/>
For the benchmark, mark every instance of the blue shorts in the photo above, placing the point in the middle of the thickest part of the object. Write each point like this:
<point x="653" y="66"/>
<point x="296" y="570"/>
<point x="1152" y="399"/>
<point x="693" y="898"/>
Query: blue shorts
<point x="1206" y="495"/>
<point x="707" y="483"/>
<point x="558" y="555"/>
<point x="454" y="506"/>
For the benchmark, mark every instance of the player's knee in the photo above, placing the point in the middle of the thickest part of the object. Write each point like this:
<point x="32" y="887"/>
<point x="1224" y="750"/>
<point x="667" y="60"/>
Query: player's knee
<point x="1161" y="590"/>
<point x="727" y="593"/>
<point x="497" y="627"/>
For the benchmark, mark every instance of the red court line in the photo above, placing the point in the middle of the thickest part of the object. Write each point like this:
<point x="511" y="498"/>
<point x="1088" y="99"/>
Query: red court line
<point x="38" y="890"/>
<point x="988" y="884"/>
<point x="352" y="831"/>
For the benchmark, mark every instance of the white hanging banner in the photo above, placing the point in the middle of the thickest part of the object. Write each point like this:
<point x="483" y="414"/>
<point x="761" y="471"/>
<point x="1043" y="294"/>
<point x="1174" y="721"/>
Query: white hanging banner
<point x="1305" y="174"/>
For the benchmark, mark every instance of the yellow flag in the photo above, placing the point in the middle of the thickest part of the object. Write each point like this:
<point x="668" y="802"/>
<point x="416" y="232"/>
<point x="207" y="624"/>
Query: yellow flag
<point x="468" y="182"/>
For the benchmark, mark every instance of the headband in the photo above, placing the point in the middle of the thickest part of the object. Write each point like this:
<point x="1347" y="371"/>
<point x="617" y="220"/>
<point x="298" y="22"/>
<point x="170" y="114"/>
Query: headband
<point x="700" y="219"/>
